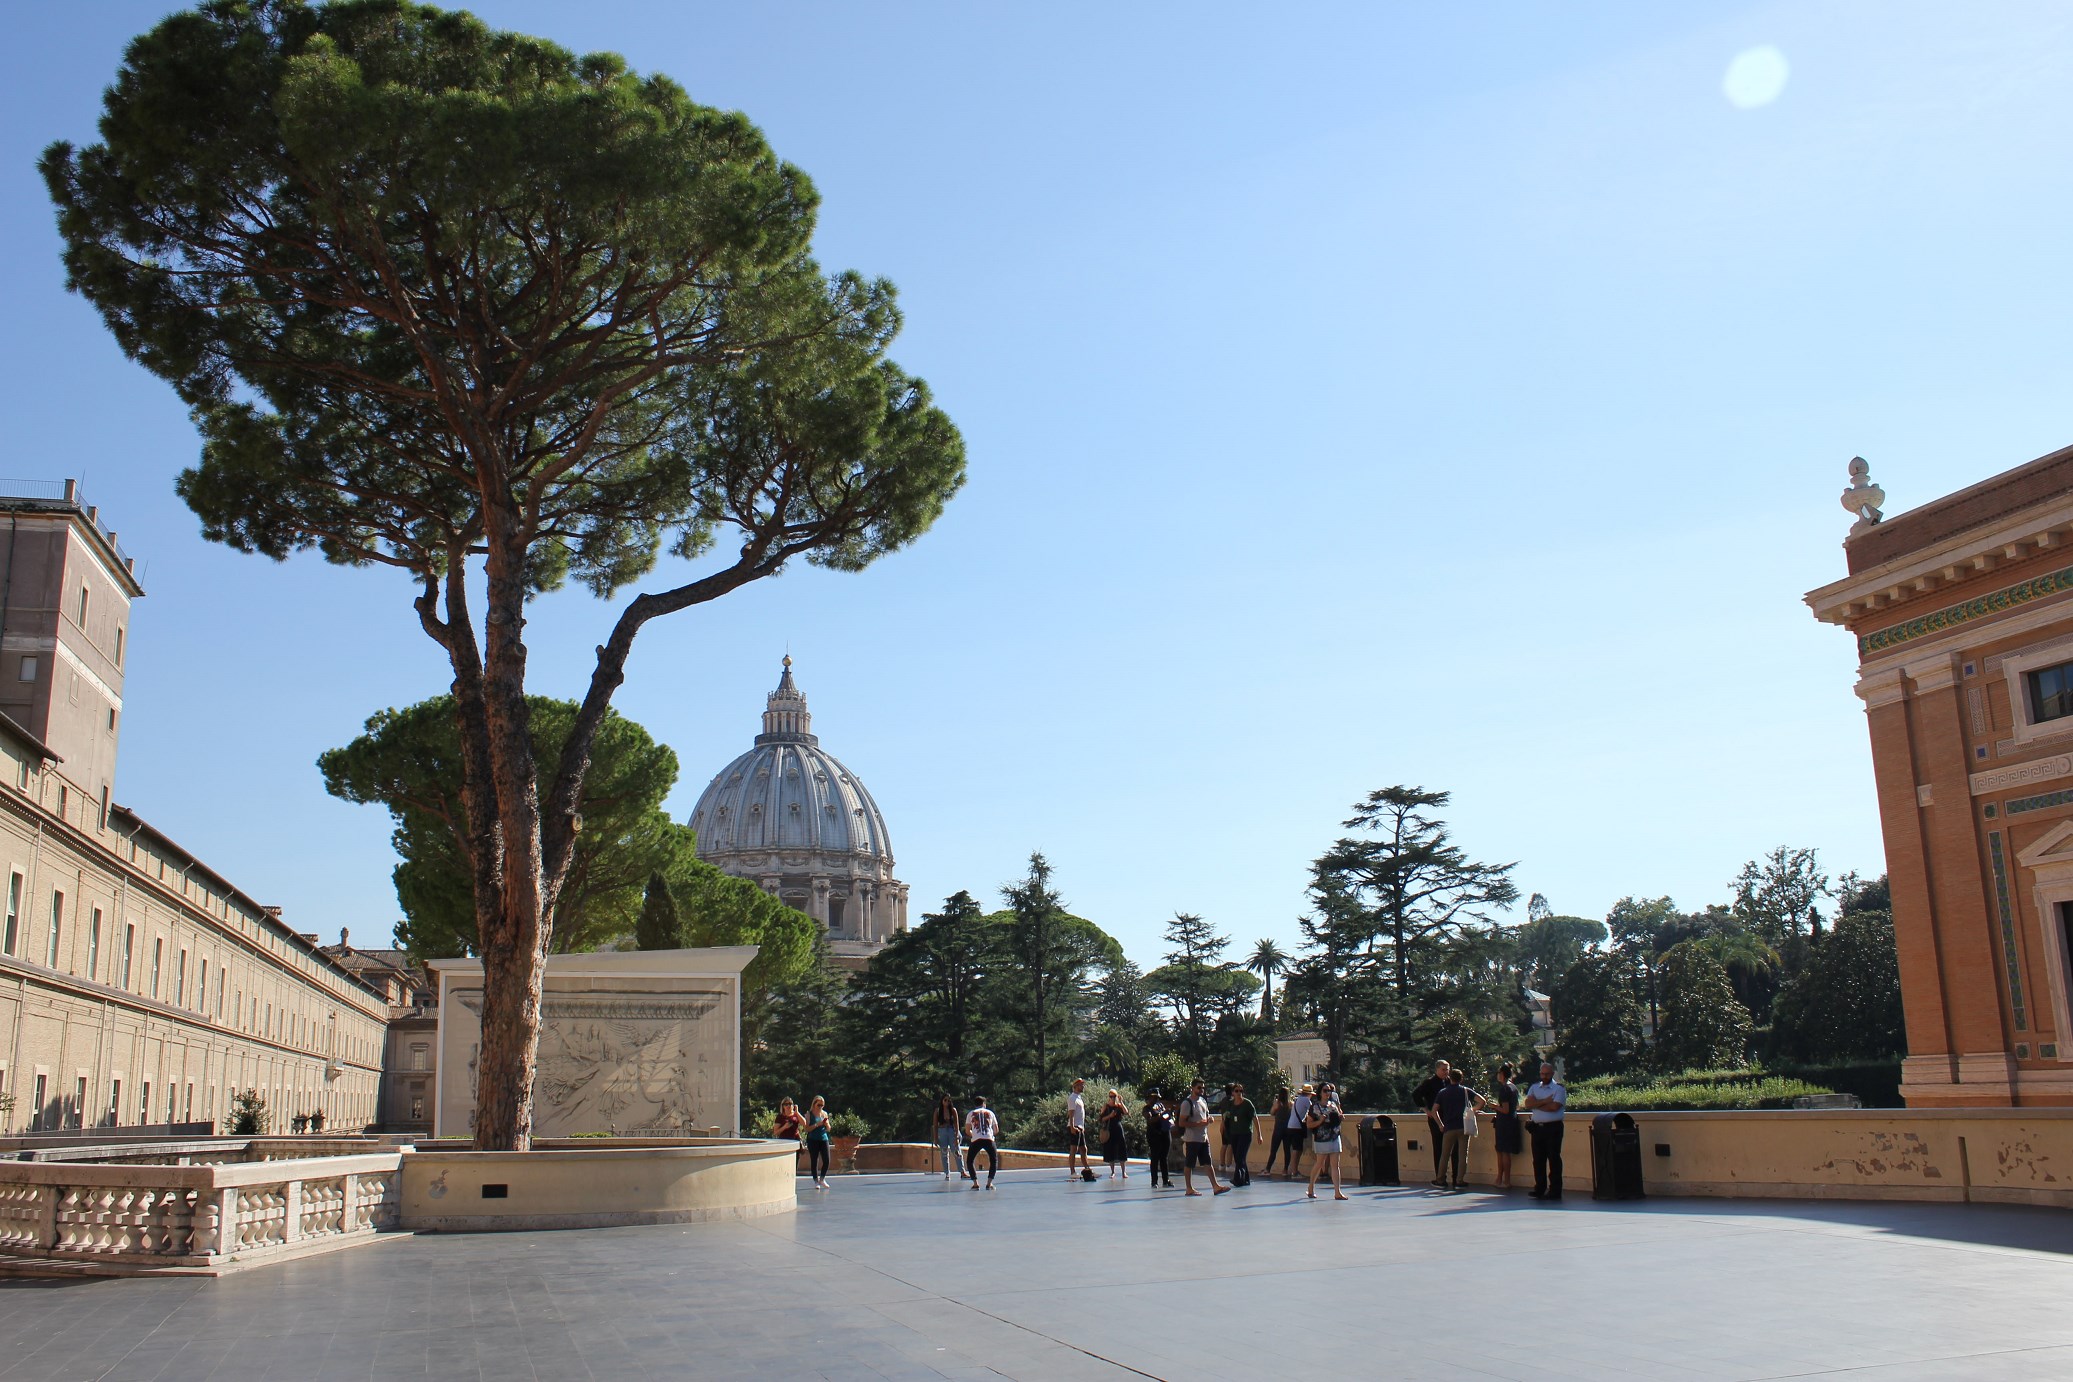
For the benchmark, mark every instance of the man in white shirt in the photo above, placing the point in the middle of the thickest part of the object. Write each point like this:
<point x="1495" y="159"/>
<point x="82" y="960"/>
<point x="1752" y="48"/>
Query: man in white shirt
<point x="1546" y="1101"/>
<point x="1076" y="1133"/>
<point x="983" y="1127"/>
<point x="1194" y="1138"/>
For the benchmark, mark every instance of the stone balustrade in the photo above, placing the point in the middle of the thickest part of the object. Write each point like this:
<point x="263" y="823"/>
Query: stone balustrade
<point x="203" y="1215"/>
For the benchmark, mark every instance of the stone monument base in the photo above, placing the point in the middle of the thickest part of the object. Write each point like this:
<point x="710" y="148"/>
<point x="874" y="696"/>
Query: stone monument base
<point x="585" y="1183"/>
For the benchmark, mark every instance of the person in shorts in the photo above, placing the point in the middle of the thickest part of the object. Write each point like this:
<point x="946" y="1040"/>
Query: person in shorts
<point x="1076" y="1133"/>
<point x="1194" y="1140"/>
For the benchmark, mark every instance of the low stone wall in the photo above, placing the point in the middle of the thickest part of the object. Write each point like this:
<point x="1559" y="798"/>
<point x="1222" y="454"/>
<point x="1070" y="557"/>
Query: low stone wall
<point x="597" y="1183"/>
<point x="1993" y="1156"/>
<point x="131" y="1218"/>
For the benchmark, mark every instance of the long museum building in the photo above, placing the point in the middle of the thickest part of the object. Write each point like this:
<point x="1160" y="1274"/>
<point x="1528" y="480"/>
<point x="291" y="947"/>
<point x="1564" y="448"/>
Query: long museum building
<point x="137" y="986"/>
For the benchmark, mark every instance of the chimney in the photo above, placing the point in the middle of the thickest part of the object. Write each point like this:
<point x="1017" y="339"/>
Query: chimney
<point x="71" y="491"/>
<point x="345" y="939"/>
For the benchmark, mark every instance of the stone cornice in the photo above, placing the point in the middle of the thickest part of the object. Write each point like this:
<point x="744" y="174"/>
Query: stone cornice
<point x="1978" y="607"/>
<point x="1905" y="580"/>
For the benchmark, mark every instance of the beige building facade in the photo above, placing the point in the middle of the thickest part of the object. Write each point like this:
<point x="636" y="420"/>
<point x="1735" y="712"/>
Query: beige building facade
<point x="137" y="985"/>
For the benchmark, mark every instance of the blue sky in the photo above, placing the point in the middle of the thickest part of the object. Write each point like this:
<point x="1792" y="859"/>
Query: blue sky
<point x="1445" y="395"/>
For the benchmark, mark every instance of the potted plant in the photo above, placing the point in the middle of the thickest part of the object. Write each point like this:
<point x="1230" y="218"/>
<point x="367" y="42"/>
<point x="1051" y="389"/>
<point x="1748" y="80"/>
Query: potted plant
<point x="848" y="1130"/>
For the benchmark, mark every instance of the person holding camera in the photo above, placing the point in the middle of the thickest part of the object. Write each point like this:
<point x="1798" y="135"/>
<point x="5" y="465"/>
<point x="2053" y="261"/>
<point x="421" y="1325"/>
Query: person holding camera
<point x="1323" y="1121"/>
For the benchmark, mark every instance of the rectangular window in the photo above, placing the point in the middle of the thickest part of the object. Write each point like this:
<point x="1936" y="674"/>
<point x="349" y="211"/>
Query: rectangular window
<point x="28" y="669"/>
<point x="36" y="1109"/>
<point x="118" y="645"/>
<point x="201" y="990"/>
<point x="2051" y="693"/>
<point x="64" y="798"/>
<point x="188" y="1116"/>
<point x="115" y="1103"/>
<point x="11" y="932"/>
<point x="420" y="1056"/>
<point x="93" y="945"/>
<point x="57" y="928"/>
<point x="82" y="607"/>
<point x="219" y="992"/>
<point x="144" y="1103"/>
<point x="158" y="956"/>
<point x="180" y="981"/>
<point x="129" y="952"/>
<point x="78" y="1110"/>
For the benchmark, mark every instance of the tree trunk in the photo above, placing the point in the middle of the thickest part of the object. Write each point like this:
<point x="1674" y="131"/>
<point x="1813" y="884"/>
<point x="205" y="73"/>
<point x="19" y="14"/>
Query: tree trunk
<point x="518" y="926"/>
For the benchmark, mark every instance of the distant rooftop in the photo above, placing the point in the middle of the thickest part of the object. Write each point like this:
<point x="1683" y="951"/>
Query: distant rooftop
<point x="64" y="496"/>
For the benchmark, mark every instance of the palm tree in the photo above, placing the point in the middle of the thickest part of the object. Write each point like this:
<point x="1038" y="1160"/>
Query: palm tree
<point x="1267" y="960"/>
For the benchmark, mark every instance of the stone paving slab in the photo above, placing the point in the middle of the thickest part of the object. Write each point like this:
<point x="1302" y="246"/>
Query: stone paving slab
<point x="906" y="1277"/>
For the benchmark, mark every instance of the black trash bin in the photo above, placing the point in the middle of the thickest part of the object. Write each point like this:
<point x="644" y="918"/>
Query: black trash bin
<point x="1378" y="1151"/>
<point x="1615" y="1157"/>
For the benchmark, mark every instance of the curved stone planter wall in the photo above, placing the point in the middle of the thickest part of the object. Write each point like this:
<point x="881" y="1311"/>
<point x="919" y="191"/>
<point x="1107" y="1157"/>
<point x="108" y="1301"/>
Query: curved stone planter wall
<point x="584" y="1183"/>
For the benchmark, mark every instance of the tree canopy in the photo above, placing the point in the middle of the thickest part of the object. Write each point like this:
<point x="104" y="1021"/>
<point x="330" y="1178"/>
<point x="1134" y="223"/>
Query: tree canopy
<point x="458" y="302"/>
<point x="408" y="761"/>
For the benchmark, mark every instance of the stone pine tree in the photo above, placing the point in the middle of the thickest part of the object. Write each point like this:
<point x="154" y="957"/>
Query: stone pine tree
<point x="1705" y="1027"/>
<point x="409" y="761"/>
<point x="456" y="302"/>
<point x="659" y="927"/>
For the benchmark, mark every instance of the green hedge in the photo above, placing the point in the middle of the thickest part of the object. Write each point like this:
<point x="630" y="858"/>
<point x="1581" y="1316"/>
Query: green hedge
<point x="1710" y="1090"/>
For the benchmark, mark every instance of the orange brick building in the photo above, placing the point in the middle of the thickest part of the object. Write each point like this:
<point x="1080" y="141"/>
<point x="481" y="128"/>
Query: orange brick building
<point x="1963" y="614"/>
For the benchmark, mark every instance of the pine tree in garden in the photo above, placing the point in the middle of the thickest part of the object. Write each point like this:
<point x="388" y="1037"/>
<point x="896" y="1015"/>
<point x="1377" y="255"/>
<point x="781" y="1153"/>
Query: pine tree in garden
<point x="456" y="302"/>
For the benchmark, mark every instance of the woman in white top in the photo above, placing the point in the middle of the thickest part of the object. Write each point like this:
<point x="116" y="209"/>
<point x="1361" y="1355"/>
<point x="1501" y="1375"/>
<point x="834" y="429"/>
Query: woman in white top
<point x="983" y="1127"/>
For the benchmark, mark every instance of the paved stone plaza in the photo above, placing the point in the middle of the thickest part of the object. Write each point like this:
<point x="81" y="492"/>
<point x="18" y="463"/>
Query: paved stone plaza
<point x="903" y="1277"/>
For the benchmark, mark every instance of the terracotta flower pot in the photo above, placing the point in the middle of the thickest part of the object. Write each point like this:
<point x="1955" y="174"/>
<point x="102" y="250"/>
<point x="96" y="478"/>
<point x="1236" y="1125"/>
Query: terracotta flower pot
<point x="846" y="1153"/>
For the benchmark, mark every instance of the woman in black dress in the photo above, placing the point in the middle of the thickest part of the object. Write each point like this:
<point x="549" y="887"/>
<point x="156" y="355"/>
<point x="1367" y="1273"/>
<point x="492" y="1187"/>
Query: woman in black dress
<point x="1510" y="1137"/>
<point x="1114" y="1150"/>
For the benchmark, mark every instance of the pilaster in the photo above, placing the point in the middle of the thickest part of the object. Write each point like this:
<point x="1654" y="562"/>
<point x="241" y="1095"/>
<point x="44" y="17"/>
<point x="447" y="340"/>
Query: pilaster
<point x="1958" y="883"/>
<point x="1907" y="867"/>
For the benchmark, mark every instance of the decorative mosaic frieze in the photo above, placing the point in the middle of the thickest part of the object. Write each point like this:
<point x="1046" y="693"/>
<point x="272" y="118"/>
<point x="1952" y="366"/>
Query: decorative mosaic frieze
<point x="2015" y="977"/>
<point x="1993" y="602"/>
<point x="2015" y="806"/>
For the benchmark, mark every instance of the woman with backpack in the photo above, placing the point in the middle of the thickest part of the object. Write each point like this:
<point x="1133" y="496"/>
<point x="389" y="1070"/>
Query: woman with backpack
<point x="1323" y="1122"/>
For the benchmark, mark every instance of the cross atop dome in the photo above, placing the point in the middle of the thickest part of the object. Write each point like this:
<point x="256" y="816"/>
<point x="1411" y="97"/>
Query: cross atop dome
<point x="785" y="718"/>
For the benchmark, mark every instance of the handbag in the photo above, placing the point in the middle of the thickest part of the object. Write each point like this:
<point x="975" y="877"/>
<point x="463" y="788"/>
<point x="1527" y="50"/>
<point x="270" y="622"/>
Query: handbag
<point x="1468" y="1121"/>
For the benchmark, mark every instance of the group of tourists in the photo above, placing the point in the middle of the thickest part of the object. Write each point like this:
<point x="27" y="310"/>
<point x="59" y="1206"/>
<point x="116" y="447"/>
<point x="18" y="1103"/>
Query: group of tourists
<point x="1451" y="1107"/>
<point x="1307" y="1119"/>
<point x="814" y="1128"/>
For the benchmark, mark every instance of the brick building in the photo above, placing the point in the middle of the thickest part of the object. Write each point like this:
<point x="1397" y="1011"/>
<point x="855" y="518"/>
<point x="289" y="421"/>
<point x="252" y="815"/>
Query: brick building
<point x="1963" y="614"/>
